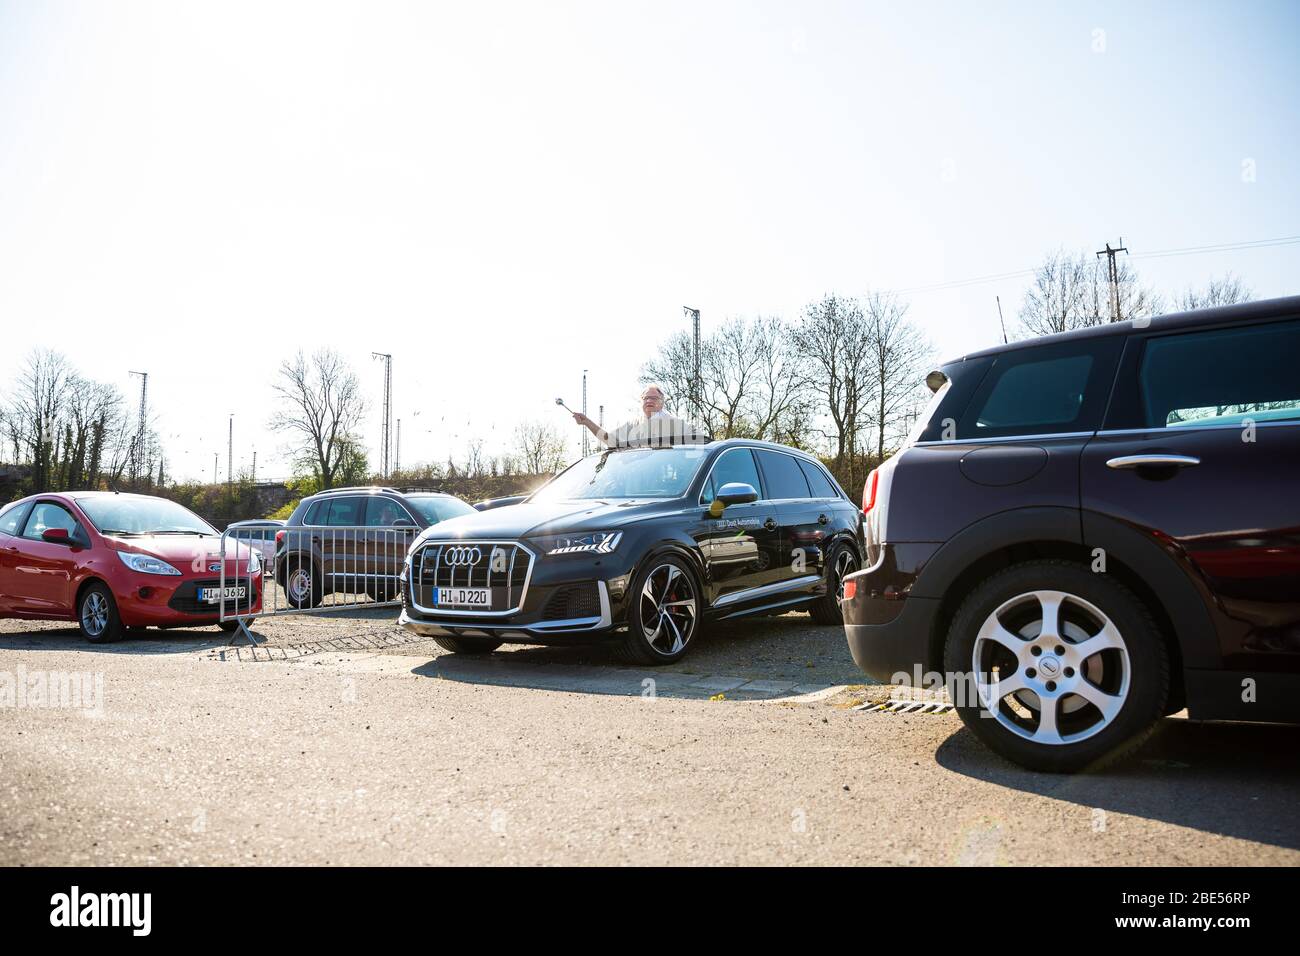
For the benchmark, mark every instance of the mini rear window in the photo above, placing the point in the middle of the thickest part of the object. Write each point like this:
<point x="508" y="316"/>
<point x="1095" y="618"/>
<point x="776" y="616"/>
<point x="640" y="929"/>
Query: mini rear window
<point x="1042" y="390"/>
<point x="1036" y="394"/>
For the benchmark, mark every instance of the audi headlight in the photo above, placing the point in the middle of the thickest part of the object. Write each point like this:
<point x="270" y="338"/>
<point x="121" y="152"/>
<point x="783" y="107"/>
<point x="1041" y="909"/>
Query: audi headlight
<point x="592" y="542"/>
<point x="146" y="564"/>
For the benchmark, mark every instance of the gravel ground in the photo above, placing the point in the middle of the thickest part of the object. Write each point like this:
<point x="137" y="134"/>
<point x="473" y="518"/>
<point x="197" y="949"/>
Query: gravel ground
<point x="343" y="740"/>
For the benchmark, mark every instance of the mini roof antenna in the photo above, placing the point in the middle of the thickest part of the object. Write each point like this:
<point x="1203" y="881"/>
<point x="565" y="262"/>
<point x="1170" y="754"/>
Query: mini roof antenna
<point x="1002" y="320"/>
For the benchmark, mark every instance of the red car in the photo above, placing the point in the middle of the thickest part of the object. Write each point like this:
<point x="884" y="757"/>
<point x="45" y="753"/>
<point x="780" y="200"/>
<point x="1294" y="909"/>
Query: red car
<point x="115" y="561"/>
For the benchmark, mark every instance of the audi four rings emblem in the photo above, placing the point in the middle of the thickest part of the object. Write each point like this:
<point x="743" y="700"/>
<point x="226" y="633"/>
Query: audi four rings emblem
<point x="463" y="557"/>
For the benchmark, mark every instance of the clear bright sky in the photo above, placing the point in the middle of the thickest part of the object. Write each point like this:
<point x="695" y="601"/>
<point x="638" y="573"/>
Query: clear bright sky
<point x="504" y="194"/>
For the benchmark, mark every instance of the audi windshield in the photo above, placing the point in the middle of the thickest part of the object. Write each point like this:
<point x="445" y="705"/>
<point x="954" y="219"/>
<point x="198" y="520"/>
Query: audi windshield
<point x="124" y="515"/>
<point x="629" y="473"/>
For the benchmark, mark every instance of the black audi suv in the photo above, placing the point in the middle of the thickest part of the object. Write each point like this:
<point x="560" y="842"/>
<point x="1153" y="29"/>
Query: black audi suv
<point x="1091" y="530"/>
<point x="641" y="546"/>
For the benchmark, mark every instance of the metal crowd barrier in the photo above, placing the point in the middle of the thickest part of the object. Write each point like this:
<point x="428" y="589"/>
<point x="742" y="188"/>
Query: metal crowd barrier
<point x="310" y="570"/>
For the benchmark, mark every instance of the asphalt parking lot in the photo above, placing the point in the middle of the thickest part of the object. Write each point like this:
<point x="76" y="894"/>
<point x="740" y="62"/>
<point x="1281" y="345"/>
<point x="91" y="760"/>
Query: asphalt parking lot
<point x="346" y="740"/>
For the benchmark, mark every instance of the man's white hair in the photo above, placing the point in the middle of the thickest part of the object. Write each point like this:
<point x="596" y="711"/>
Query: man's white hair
<point x="662" y="391"/>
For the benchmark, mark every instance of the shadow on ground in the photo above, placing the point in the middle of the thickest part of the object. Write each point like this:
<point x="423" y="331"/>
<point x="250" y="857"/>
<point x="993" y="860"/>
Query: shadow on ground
<point x="582" y="676"/>
<point x="761" y="658"/>
<point x="46" y="637"/>
<point x="1235" y="780"/>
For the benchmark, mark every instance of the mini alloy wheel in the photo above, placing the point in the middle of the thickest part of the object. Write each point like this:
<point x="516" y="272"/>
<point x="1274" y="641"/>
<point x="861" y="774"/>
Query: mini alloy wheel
<point x="1056" y="667"/>
<point x="1053" y="667"/>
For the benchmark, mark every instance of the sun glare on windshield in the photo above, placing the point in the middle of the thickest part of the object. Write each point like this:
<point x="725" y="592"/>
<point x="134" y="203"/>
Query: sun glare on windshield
<point x="635" y="473"/>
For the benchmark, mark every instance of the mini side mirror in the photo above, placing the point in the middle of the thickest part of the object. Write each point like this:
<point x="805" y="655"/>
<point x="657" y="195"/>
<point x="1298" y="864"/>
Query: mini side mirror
<point x="56" y="536"/>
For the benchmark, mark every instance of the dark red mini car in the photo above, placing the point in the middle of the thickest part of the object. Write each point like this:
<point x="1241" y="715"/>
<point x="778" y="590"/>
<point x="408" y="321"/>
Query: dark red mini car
<point x="1092" y="530"/>
<point x="116" y="561"/>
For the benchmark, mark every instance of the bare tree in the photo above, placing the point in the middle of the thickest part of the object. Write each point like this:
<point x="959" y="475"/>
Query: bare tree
<point x="730" y="371"/>
<point x="753" y="379"/>
<point x="474" y="463"/>
<point x="1053" y="301"/>
<point x="63" y="425"/>
<point x="540" y="448"/>
<point x="1226" y="291"/>
<point x="780" y="407"/>
<point x="897" y="356"/>
<point x="43" y="387"/>
<point x="831" y="339"/>
<point x="1073" y="292"/>
<point x="324" y="407"/>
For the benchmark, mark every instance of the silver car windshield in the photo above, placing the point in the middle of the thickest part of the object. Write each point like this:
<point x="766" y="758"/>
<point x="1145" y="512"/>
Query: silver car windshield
<point x="631" y="473"/>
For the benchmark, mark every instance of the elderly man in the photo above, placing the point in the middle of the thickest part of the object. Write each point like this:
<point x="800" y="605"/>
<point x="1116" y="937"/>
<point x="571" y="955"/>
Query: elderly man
<point x="657" y="426"/>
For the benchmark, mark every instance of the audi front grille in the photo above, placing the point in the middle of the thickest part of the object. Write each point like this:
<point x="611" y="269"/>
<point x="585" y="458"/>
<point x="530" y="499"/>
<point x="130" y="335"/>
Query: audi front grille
<point x="503" y="567"/>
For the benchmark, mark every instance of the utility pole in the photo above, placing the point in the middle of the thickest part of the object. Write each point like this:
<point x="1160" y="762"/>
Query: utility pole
<point x="137" y="465"/>
<point x="254" y="476"/>
<point x="1113" y="269"/>
<point x="230" y="465"/>
<point x="585" y="432"/>
<point x="397" y="448"/>
<point x="386" y="440"/>
<point x="216" y="456"/>
<point x="694" y="316"/>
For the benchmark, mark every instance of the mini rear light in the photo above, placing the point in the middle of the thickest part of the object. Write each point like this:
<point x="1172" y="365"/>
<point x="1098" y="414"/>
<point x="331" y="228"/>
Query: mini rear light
<point x="869" y="491"/>
<point x="850" y="588"/>
<point x="279" y="538"/>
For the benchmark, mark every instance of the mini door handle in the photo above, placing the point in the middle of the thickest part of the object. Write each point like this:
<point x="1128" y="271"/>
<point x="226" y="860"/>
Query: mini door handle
<point x="822" y="519"/>
<point x="1153" y="461"/>
<point x="769" y="524"/>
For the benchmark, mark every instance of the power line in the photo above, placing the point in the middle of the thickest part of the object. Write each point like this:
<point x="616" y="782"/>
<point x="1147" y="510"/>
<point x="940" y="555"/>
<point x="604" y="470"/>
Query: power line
<point x="1154" y="254"/>
<point x="1225" y="247"/>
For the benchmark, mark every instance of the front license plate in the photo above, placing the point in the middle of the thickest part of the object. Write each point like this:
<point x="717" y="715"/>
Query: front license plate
<point x="214" y="595"/>
<point x="462" y="597"/>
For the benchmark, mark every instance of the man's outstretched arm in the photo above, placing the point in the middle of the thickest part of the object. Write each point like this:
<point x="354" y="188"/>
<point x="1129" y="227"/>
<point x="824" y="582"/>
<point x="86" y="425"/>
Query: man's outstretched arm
<point x="591" y="426"/>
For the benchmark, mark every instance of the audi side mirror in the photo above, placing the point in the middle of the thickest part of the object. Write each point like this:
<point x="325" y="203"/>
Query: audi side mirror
<point x="56" y="536"/>
<point x="403" y="523"/>
<point x="736" y="493"/>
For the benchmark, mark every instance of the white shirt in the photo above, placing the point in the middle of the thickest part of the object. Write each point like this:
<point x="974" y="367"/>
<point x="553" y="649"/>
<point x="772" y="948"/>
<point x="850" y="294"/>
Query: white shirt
<point x="661" y="428"/>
